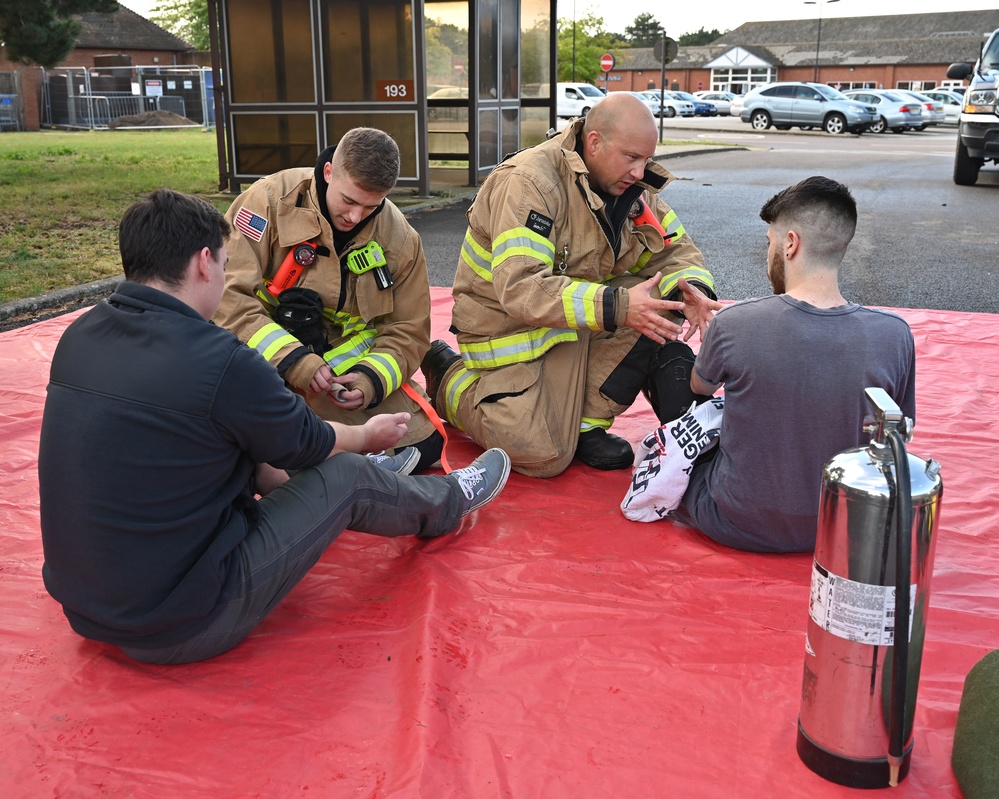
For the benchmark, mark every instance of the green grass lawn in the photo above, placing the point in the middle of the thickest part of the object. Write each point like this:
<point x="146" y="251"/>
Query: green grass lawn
<point x="62" y="194"/>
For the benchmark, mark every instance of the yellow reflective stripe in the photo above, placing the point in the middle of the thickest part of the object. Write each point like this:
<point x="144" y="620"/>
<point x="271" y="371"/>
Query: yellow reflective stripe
<point x="267" y="298"/>
<point x="586" y="424"/>
<point x="462" y="380"/>
<point x="522" y="241"/>
<point x="672" y="225"/>
<point x="643" y="259"/>
<point x="271" y="339"/>
<point x="578" y="305"/>
<point x="388" y="367"/>
<point x="478" y="258"/>
<point x="701" y="275"/>
<point x="342" y="357"/>
<point x="350" y="325"/>
<point x="517" y="348"/>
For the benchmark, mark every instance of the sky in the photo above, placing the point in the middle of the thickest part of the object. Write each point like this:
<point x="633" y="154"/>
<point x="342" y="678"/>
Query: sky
<point x="679" y="18"/>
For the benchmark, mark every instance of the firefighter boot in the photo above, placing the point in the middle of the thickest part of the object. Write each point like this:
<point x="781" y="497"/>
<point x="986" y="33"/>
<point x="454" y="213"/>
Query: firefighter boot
<point x="667" y="387"/>
<point x="603" y="450"/>
<point x="434" y="366"/>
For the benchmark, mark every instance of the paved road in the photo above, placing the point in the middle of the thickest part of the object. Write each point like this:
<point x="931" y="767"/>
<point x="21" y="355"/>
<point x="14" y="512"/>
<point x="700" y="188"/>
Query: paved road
<point x="922" y="241"/>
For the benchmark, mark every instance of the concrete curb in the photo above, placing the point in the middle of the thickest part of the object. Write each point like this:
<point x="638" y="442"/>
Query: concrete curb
<point x="75" y="295"/>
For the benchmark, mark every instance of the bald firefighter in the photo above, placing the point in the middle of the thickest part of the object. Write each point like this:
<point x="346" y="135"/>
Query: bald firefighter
<point x="328" y="281"/>
<point x="569" y="298"/>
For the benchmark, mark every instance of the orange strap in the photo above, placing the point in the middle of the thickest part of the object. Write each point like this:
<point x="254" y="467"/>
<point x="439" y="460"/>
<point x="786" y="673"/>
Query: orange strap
<point x="436" y="420"/>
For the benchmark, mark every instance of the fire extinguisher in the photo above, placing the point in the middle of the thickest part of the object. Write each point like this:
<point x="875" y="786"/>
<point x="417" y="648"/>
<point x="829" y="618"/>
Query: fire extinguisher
<point x="870" y="592"/>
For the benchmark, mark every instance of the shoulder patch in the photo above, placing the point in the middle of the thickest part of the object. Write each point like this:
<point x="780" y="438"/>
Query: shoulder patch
<point x="250" y="224"/>
<point x="539" y="223"/>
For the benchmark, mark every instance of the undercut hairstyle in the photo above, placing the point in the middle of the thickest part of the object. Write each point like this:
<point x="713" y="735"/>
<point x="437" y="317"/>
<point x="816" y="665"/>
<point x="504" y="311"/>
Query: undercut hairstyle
<point x="370" y="157"/>
<point x="821" y="210"/>
<point x="158" y="235"/>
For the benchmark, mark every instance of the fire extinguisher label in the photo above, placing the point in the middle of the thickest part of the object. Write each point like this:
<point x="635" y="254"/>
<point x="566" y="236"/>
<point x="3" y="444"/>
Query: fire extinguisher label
<point x="858" y="612"/>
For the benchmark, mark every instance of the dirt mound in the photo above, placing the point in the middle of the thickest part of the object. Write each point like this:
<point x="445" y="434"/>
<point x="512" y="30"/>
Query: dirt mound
<point x="151" y="119"/>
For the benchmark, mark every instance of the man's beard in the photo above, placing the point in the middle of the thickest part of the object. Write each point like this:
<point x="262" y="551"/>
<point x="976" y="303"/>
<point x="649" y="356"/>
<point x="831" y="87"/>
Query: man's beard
<point x="775" y="271"/>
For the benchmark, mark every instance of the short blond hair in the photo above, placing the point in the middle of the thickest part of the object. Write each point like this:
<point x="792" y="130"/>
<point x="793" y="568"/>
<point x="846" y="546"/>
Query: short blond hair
<point x="370" y="157"/>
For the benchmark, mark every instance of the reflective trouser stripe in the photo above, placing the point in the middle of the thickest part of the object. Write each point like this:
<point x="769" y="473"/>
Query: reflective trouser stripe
<point x="516" y="348"/>
<point x="271" y="339"/>
<point x="587" y="424"/>
<point x="460" y="382"/>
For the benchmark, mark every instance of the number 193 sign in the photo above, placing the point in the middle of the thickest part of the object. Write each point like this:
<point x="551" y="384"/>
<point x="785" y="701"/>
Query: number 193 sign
<point x="398" y="91"/>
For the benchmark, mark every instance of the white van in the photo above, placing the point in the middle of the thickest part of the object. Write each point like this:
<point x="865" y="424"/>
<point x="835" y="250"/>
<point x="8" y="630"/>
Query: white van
<point x="576" y="99"/>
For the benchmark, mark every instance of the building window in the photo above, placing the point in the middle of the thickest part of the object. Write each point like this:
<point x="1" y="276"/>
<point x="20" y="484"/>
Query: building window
<point x="271" y="52"/>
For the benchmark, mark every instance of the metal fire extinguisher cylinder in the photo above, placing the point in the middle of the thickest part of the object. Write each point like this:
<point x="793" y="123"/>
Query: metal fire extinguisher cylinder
<point x="870" y="585"/>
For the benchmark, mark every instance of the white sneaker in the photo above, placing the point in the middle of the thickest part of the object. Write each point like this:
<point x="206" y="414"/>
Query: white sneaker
<point x="403" y="462"/>
<point x="483" y="479"/>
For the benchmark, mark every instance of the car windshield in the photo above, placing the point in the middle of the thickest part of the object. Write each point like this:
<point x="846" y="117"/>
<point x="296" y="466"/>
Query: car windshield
<point x="686" y="96"/>
<point x="829" y="92"/>
<point x="990" y="58"/>
<point x="894" y="97"/>
<point x="590" y="91"/>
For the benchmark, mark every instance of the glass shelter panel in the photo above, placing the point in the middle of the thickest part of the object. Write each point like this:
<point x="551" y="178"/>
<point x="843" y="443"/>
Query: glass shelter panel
<point x="266" y="143"/>
<point x="400" y="126"/>
<point x="488" y="11"/>
<point x="535" y="50"/>
<point x="447" y="49"/>
<point x="368" y="48"/>
<point x="270" y="50"/>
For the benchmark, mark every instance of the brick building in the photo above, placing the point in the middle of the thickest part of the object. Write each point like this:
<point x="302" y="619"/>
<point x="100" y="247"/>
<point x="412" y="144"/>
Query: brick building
<point x="123" y="37"/>
<point x="900" y="51"/>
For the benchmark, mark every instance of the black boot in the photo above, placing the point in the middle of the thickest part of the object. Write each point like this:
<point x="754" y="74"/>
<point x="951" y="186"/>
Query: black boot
<point x="668" y="385"/>
<point x="434" y="366"/>
<point x="603" y="450"/>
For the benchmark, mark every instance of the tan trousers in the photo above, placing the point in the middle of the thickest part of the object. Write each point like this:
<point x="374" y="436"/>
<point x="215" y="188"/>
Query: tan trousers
<point x="534" y="410"/>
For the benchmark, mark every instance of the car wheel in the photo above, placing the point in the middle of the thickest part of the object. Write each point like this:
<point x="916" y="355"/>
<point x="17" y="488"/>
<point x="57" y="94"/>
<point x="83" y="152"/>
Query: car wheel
<point x="760" y="120"/>
<point x="965" y="167"/>
<point x="922" y="127"/>
<point x="671" y="112"/>
<point x="782" y="127"/>
<point x="898" y="130"/>
<point x="880" y="125"/>
<point x="584" y="112"/>
<point x="806" y="127"/>
<point x="835" y="123"/>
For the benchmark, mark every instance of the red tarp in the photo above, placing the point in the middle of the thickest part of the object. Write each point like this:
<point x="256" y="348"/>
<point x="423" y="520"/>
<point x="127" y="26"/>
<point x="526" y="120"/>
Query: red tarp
<point x="550" y="649"/>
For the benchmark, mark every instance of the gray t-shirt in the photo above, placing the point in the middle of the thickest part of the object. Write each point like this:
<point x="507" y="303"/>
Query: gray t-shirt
<point x="794" y="380"/>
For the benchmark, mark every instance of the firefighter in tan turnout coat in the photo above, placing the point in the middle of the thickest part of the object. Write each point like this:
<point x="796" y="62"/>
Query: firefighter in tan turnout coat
<point x="559" y="306"/>
<point x="328" y="281"/>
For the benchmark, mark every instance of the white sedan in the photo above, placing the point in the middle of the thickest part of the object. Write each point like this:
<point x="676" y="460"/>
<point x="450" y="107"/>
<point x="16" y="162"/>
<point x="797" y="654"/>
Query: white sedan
<point x="671" y="107"/>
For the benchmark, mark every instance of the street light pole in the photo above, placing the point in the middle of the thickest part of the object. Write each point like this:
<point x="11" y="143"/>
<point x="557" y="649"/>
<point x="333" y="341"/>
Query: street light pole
<point x="573" y="41"/>
<point x="818" y="38"/>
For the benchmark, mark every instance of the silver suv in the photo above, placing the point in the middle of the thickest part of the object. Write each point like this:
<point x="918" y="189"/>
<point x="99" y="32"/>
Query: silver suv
<point x="806" y="105"/>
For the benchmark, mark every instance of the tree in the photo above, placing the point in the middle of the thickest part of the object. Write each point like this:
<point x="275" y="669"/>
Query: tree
<point x="644" y="31"/>
<point x="698" y="38"/>
<point x="591" y="42"/>
<point x="186" y="19"/>
<point x="43" y="32"/>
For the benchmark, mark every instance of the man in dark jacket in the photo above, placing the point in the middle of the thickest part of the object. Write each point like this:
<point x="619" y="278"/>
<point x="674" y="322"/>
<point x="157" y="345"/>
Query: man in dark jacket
<point x="170" y="526"/>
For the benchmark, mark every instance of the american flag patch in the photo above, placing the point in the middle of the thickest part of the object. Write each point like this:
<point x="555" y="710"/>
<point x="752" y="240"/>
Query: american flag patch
<point x="250" y="224"/>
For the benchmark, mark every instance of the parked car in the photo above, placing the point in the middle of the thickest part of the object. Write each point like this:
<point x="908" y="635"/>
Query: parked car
<point x="722" y="100"/>
<point x="806" y="105"/>
<point x="670" y="107"/>
<point x="933" y="110"/>
<point x="701" y="108"/>
<point x="650" y="103"/>
<point x="952" y="103"/>
<point x="895" y="113"/>
<point x="576" y="99"/>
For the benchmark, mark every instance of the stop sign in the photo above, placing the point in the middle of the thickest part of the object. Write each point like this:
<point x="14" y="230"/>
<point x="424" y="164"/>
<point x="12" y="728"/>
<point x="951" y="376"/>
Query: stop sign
<point x="607" y="62"/>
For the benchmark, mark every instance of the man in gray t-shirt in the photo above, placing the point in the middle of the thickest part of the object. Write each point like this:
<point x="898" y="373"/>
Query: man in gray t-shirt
<point x="794" y="367"/>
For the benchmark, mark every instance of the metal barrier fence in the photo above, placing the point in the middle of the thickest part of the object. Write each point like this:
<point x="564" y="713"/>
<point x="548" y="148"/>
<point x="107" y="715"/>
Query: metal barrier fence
<point x="11" y="104"/>
<point x="94" y="98"/>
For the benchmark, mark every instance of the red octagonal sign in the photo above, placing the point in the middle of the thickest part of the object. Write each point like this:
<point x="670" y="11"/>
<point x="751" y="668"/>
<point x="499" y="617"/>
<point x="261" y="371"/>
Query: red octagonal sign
<point x="607" y="62"/>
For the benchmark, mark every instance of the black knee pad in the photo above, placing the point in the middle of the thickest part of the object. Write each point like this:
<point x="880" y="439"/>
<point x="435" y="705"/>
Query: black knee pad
<point x="667" y="387"/>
